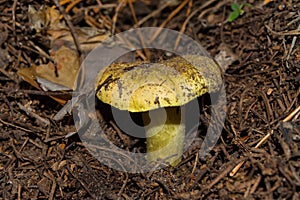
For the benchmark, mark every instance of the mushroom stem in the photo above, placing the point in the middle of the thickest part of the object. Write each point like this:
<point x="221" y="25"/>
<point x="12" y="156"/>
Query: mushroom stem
<point x="165" y="138"/>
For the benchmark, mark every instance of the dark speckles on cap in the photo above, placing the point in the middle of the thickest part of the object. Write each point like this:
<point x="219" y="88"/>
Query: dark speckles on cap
<point x="143" y="86"/>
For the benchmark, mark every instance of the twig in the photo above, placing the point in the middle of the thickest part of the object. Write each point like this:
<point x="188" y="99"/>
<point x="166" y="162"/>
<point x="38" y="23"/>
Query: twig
<point x="14" y="16"/>
<point x="32" y="114"/>
<point x="24" y="144"/>
<point x="293" y="44"/>
<point x="152" y="14"/>
<point x="9" y="105"/>
<point x="236" y="168"/>
<point x="125" y="139"/>
<point x="38" y="51"/>
<point x="19" y="191"/>
<point x="15" y="126"/>
<point x="190" y="6"/>
<point x="67" y="108"/>
<point x="263" y="139"/>
<point x="72" y="4"/>
<point x="37" y="92"/>
<point x="131" y="46"/>
<point x="109" y="150"/>
<point x="293" y="32"/>
<point x="63" y="2"/>
<point x="115" y="17"/>
<point x="72" y="29"/>
<point x="103" y="6"/>
<point x="125" y="181"/>
<point x="168" y="19"/>
<point x="163" y="186"/>
<point x="222" y="174"/>
<point x="195" y="163"/>
<point x="99" y="3"/>
<point x="52" y="191"/>
<point x="268" y="106"/>
<point x="139" y="32"/>
<point x="183" y="27"/>
<point x="288" y="118"/>
<point x="257" y="181"/>
<point x="293" y="21"/>
<point x="294" y="101"/>
<point x="252" y="73"/>
<point x="81" y="182"/>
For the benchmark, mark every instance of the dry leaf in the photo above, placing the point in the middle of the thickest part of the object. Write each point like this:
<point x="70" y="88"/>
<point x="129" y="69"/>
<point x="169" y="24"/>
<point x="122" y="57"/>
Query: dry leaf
<point x="67" y="65"/>
<point x="61" y="75"/>
<point x="225" y="57"/>
<point x="45" y="18"/>
<point x="48" y="18"/>
<point x="45" y="76"/>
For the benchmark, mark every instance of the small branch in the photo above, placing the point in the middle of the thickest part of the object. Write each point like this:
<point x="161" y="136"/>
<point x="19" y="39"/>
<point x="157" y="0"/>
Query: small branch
<point x="293" y="32"/>
<point x="152" y="14"/>
<point x="293" y="44"/>
<point x="288" y="118"/>
<point x="115" y="17"/>
<point x="14" y="16"/>
<point x="32" y="114"/>
<point x="72" y="29"/>
<point x="168" y="19"/>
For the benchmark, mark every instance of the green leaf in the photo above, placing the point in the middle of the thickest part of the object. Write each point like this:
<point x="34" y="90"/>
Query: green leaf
<point x="235" y="6"/>
<point x="233" y="15"/>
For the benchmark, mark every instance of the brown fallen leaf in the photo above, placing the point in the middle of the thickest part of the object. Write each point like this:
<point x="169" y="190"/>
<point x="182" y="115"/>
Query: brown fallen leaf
<point x="61" y="74"/>
<point x="67" y="65"/>
<point x="54" y="78"/>
<point x="48" y="19"/>
<point x="45" y="18"/>
<point x="225" y="57"/>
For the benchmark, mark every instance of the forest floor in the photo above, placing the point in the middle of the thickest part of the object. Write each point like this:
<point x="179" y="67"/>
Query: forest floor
<point x="259" y="52"/>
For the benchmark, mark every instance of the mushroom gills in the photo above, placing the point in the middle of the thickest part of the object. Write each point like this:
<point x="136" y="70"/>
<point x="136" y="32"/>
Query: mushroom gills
<point x="165" y="138"/>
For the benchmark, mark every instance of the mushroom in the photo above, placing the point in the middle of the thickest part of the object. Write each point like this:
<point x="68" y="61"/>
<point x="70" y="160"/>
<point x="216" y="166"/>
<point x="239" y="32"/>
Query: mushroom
<point x="149" y="87"/>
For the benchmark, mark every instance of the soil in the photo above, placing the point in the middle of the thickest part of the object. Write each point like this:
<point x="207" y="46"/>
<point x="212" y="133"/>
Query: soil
<point x="41" y="158"/>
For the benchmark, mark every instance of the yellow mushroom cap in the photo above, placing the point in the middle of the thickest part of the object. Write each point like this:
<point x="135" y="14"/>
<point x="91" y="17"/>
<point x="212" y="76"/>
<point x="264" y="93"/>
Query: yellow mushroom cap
<point x="144" y="86"/>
